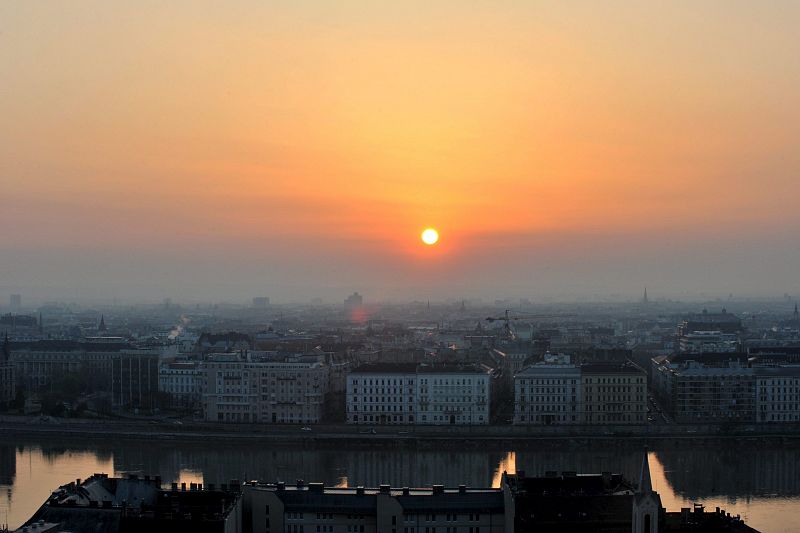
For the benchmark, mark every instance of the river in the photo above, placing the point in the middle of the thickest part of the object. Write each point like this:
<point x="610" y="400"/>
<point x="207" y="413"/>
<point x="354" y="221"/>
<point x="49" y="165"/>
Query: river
<point x="758" y="480"/>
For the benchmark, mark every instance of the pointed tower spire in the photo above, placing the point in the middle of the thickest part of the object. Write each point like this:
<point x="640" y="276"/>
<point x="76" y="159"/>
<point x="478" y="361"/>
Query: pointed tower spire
<point x="645" y="485"/>
<point x="102" y="326"/>
<point x="644" y="300"/>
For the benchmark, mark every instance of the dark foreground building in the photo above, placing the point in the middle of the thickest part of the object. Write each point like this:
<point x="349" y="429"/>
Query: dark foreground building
<point x="601" y="503"/>
<point x="559" y="503"/>
<point x="133" y="504"/>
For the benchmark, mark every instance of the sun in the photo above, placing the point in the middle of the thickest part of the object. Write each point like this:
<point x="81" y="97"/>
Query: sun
<point x="430" y="236"/>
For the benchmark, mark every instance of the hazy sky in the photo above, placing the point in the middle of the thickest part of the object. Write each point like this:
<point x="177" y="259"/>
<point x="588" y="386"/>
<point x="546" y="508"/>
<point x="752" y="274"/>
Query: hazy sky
<point x="214" y="150"/>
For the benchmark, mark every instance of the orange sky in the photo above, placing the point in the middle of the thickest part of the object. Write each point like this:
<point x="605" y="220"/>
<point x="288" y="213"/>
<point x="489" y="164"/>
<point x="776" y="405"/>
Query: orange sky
<point x="293" y="132"/>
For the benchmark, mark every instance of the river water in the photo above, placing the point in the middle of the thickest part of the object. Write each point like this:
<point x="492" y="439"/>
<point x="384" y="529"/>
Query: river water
<point x="760" y="481"/>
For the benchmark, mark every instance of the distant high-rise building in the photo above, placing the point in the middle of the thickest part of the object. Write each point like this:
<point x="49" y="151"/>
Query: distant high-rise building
<point x="15" y="301"/>
<point x="354" y="301"/>
<point x="644" y="299"/>
<point x="260" y="302"/>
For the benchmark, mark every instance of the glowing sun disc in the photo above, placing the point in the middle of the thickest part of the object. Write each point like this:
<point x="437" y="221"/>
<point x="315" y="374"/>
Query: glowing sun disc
<point x="430" y="236"/>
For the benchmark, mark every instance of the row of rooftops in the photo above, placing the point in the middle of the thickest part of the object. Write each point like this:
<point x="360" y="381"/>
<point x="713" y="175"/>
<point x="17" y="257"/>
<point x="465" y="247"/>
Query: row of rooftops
<point x="318" y="498"/>
<point x="758" y="363"/>
<point x="256" y="357"/>
<point x="626" y="368"/>
<point x="420" y="368"/>
<point x="90" y="344"/>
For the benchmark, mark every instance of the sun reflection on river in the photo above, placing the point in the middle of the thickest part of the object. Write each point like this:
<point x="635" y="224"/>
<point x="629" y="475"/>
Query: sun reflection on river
<point x="507" y="464"/>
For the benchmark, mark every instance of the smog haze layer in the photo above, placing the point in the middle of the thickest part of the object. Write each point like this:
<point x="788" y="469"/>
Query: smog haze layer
<point x="298" y="149"/>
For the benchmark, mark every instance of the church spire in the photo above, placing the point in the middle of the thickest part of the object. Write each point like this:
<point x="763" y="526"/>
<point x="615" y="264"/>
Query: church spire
<point x="102" y="326"/>
<point x="645" y="485"/>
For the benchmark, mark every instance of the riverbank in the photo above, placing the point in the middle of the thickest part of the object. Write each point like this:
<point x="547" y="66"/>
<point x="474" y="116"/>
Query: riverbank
<point x="382" y="436"/>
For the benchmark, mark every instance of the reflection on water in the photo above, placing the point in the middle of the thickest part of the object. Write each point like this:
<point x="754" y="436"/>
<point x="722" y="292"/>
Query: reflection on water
<point x="507" y="464"/>
<point x="36" y="472"/>
<point x="742" y="479"/>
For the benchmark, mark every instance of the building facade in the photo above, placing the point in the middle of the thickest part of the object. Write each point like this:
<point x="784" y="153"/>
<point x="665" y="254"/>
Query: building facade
<point x="423" y="394"/>
<point x="264" y="388"/>
<point x="452" y="394"/>
<point x="777" y="395"/>
<point x="134" y="380"/>
<point x="382" y="394"/>
<point x="712" y="388"/>
<point x="8" y="382"/>
<point x="548" y="394"/>
<point x="38" y="363"/>
<point x="613" y="393"/>
<point x="181" y="383"/>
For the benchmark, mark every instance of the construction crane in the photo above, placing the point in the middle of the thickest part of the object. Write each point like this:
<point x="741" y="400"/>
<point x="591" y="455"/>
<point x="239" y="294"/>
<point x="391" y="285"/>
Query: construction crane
<point x="507" y="318"/>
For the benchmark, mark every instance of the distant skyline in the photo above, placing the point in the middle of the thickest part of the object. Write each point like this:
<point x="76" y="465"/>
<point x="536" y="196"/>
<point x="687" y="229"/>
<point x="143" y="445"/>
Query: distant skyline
<point x="90" y="297"/>
<point x="210" y="151"/>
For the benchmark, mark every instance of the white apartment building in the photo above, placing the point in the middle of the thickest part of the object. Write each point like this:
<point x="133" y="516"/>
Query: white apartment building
<point x="452" y="394"/>
<point x="548" y="394"/>
<point x="382" y="394"/>
<point x="182" y="381"/>
<point x="777" y="394"/>
<point x="265" y="387"/>
<point x="435" y="394"/>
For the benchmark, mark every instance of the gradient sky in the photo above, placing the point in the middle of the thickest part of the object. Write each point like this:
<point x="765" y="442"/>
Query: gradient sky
<point x="221" y="150"/>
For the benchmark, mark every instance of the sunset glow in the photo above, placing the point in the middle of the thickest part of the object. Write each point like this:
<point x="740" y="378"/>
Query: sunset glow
<point x="296" y="136"/>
